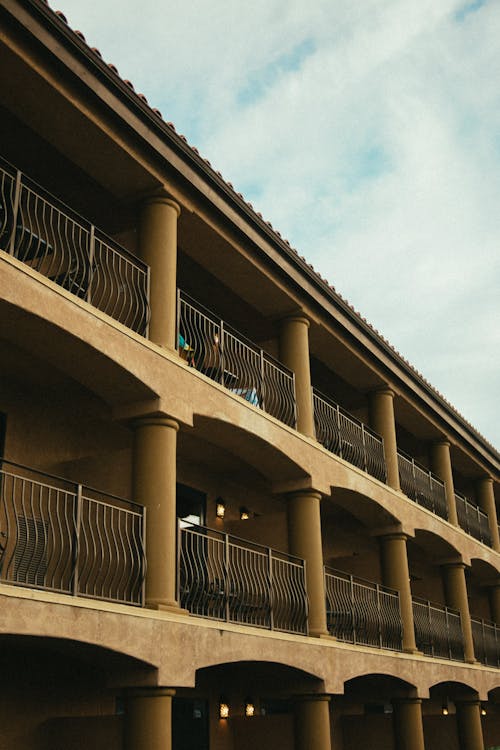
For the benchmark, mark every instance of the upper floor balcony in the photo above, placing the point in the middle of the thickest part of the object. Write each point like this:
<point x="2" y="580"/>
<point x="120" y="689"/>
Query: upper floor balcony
<point x="49" y="237"/>
<point x="58" y="536"/>
<point x="347" y="437"/>
<point x="473" y="520"/>
<point x="235" y="580"/>
<point x="363" y="612"/>
<point x="226" y="356"/>
<point x="422" y="486"/>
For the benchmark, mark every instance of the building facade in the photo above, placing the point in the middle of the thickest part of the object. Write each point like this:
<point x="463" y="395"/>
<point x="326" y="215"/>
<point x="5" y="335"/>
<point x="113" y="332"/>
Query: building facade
<point x="231" y="515"/>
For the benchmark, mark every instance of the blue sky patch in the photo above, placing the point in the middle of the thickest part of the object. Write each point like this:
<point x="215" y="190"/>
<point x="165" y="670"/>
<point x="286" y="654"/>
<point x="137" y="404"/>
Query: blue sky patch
<point x="264" y="78"/>
<point x="468" y="8"/>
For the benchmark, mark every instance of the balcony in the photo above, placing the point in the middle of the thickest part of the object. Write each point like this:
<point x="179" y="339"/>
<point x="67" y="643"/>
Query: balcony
<point x="486" y="637"/>
<point x="421" y="486"/>
<point x="438" y="630"/>
<point x="345" y="436"/>
<point x="473" y="520"/>
<point x="362" y="612"/>
<point x="58" y="536"/>
<point x="53" y="240"/>
<point x="212" y="347"/>
<point x="230" y="579"/>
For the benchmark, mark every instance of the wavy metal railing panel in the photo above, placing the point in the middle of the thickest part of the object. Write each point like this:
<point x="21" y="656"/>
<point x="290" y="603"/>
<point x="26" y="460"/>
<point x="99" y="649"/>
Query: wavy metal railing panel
<point x="54" y="537"/>
<point x="438" y="630"/>
<point x="222" y="354"/>
<point x="486" y="637"/>
<point x="422" y="486"/>
<point x="51" y="239"/>
<point x="226" y="578"/>
<point x="345" y="436"/>
<point x="363" y="612"/>
<point x="473" y="520"/>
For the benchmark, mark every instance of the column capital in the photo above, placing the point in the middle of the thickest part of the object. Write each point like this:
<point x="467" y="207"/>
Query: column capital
<point x="383" y="390"/>
<point x="161" y="196"/>
<point x="155" y="421"/>
<point x="149" y="692"/>
<point x="313" y="494"/>
<point x="487" y="478"/>
<point x="295" y="317"/>
<point x="408" y="700"/>
<point x="312" y="697"/>
<point x="441" y="441"/>
<point x="452" y="563"/>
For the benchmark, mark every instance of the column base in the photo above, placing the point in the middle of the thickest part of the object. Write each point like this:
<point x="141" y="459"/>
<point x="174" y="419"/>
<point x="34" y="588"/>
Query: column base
<point x="413" y="651"/>
<point x="321" y="634"/>
<point x="163" y="605"/>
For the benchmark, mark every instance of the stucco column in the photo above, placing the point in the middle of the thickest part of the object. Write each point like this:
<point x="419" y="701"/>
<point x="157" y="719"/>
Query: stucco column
<point x="148" y="719"/>
<point x="494" y="602"/>
<point x="455" y="591"/>
<point x="485" y="497"/>
<point x="470" y="731"/>
<point x="294" y="353"/>
<point x="158" y="248"/>
<point x="441" y="467"/>
<point x="304" y="539"/>
<point x="407" y="724"/>
<point x="154" y="467"/>
<point x="312" y="723"/>
<point x="382" y="421"/>
<point x="396" y="575"/>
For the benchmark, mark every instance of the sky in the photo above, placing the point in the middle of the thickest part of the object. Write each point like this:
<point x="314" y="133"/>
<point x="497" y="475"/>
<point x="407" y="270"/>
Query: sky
<point x="367" y="132"/>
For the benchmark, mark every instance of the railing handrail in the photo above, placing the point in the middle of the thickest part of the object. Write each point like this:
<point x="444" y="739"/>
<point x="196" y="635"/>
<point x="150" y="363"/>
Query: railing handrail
<point x="471" y="504"/>
<point x="418" y="465"/>
<point x="363" y="581"/>
<point x="70" y="212"/>
<point x="246" y="543"/>
<point x="330" y="402"/>
<point x="73" y="485"/>
<point x="233" y="331"/>
<point x="488" y="623"/>
<point x="436" y="606"/>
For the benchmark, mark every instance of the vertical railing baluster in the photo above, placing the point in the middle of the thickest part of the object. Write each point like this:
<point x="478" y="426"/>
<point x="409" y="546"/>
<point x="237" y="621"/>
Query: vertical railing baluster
<point x="271" y="588"/>
<point x="76" y="554"/>
<point x="91" y="256"/>
<point x="227" y="576"/>
<point x="263" y="388"/>
<point x="15" y="210"/>
<point x="379" y="616"/>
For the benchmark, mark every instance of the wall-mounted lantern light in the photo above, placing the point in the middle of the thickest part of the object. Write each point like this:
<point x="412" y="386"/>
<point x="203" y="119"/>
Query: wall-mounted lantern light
<point x="220" y="508"/>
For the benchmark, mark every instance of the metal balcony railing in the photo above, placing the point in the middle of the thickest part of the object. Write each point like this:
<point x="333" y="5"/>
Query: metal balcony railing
<point x="347" y="437"/>
<point x="224" y="355"/>
<point x="362" y="612"/>
<point x="53" y="240"/>
<point x="438" y="630"/>
<point x="63" y="537"/>
<point x="473" y="520"/>
<point x="226" y="578"/>
<point x="422" y="486"/>
<point x="486" y="637"/>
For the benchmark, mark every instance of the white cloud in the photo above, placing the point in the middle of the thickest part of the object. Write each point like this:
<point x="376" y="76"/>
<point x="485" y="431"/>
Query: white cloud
<point x="367" y="132"/>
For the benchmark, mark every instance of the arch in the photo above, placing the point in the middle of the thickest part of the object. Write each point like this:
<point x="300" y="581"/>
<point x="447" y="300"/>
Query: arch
<point x="28" y="655"/>
<point x="84" y="354"/>
<point x="261" y="675"/>
<point x="270" y="460"/>
<point x="381" y="684"/>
